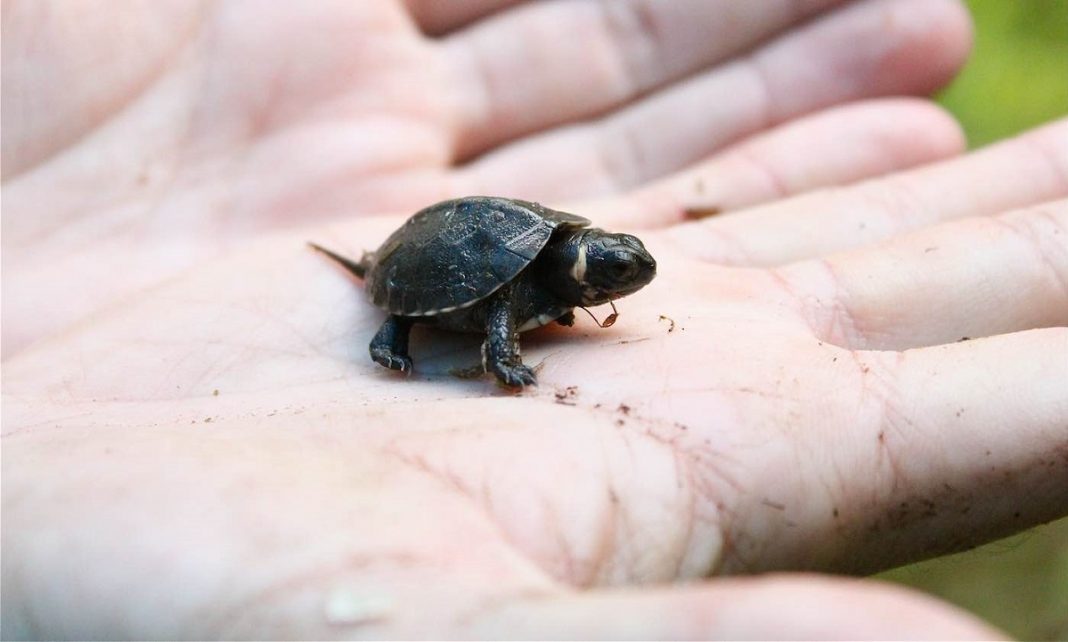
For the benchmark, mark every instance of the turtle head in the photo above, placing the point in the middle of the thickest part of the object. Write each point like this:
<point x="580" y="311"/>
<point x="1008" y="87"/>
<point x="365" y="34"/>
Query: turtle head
<point x="592" y="267"/>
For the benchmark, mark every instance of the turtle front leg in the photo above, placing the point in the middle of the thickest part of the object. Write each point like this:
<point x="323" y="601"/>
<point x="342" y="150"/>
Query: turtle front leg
<point x="500" y="352"/>
<point x="390" y="345"/>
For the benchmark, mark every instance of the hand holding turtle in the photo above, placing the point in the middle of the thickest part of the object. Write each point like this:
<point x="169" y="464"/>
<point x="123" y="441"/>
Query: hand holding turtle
<point x="214" y="457"/>
<point x="221" y="451"/>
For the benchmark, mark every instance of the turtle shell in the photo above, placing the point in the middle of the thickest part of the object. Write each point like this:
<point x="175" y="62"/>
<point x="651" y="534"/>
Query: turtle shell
<point x="456" y="253"/>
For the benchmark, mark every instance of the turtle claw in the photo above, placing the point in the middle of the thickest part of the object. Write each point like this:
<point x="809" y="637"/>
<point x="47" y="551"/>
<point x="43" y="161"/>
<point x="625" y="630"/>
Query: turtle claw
<point x="392" y="361"/>
<point x="516" y="376"/>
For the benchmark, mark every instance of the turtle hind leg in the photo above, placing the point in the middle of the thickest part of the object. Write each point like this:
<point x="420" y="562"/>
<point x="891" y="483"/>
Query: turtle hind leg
<point x="500" y="352"/>
<point x="389" y="347"/>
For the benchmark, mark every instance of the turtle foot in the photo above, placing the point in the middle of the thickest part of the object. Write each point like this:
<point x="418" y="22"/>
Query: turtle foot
<point x="516" y="376"/>
<point x="392" y="361"/>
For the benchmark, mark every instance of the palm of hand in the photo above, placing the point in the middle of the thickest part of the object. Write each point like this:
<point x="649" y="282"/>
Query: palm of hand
<point x="737" y="444"/>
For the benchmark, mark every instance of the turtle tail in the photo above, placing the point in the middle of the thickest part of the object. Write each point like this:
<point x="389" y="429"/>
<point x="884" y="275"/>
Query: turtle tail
<point x="358" y="268"/>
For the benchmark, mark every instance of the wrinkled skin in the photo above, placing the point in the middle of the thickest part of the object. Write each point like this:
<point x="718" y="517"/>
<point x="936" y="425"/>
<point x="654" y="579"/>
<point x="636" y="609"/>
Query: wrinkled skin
<point x="210" y="454"/>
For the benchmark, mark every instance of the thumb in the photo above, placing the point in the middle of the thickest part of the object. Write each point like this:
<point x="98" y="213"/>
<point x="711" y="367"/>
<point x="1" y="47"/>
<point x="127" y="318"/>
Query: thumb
<point x="768" y="608"/>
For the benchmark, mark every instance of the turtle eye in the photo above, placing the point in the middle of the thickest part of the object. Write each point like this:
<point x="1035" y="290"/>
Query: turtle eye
<point x="619" y="269"/>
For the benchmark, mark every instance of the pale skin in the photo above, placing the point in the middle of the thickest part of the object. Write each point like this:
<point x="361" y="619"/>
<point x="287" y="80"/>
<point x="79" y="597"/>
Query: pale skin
<point x="196" y="444"/>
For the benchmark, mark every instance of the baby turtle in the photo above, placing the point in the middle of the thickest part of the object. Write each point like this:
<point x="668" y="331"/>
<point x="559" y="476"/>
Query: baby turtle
<point x="498" y="266"/>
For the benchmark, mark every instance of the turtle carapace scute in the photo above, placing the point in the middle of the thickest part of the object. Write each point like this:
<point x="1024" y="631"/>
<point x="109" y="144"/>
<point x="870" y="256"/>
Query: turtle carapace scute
<point x="497" y="266"/>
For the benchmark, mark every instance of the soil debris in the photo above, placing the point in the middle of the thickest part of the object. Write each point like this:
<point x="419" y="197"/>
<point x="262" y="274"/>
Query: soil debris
<point x="771" y="504"/>
<point x="566" y="396"/>
<point x="698" y="212"/>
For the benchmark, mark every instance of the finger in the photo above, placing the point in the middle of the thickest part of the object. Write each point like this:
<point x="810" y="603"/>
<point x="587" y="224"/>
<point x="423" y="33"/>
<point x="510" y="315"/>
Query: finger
<point x="955" y="445"/>
<point x="804" y="607"/>
<point x="835" y="146"/>
<point x="966" y="279"/>
<point x="1027" y="170"/>
<point x="517" y="73"/>
<point x="846" y="55"/>
<point x="435" y="17"/>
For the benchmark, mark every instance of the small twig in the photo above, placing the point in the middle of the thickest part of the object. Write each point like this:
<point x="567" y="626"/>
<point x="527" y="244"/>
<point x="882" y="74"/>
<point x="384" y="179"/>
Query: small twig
<point x="609" y="320"/>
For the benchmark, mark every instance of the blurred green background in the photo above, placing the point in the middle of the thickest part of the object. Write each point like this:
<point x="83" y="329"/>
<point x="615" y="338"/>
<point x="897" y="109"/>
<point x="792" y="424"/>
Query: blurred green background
<point x="1017" y="78"/>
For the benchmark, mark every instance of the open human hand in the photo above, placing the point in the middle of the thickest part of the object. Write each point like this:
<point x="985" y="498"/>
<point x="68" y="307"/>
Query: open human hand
<point x="218" y="457"/>
<point x="142" y="138"/>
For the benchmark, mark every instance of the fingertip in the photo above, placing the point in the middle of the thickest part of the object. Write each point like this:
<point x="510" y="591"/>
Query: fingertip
<point x="440" y="18"/>
<point x="957" y="32"/>
<point x="935" y="43"/>
<point x="921" y="132"/>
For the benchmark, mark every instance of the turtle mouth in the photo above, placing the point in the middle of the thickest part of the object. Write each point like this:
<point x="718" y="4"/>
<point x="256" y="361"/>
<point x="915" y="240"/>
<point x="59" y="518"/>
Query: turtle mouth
<point x="643" y="280"/>
<point x="601" y="298"/>
<point x="619" y="294"/>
